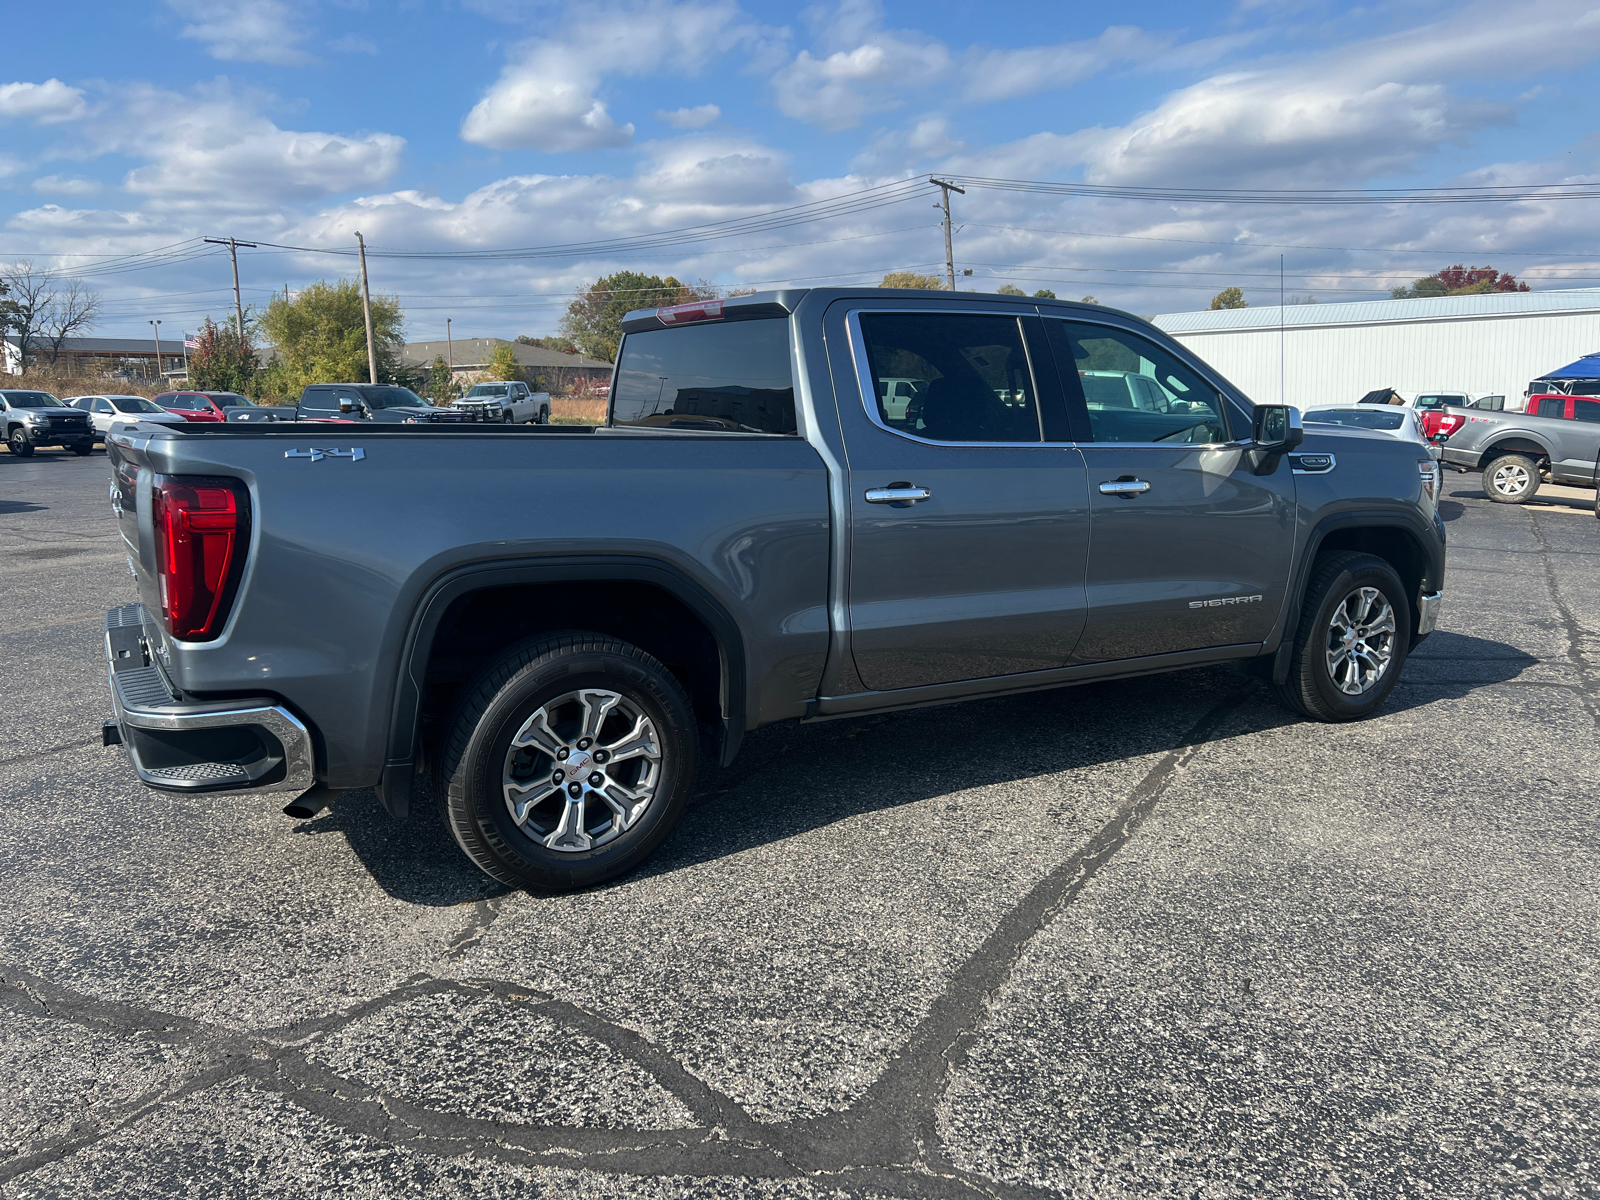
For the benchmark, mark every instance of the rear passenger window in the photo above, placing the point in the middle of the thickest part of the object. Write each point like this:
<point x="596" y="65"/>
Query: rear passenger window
<point x="1135" y="390"/>
<point x="949" y="377"/>
<point x="731" y="376"/>
<point x="1553" y="406"/>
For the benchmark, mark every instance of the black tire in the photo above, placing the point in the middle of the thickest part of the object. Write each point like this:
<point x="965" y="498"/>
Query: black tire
<point x="479" y="759"/>
<point x="18" y="441"/>
<point x="1511" y="479"/>
<point x="1314" y="687"/>
<point x="83" y="451"/>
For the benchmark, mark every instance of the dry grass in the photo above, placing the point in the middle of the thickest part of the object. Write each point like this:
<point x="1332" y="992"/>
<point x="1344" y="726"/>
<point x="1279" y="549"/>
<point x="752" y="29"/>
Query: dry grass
<point x="71" y="383"/>
<point x="570" y="411"/>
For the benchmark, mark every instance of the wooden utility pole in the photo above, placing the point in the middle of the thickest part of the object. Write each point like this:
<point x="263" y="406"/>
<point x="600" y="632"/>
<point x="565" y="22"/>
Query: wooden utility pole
<point x="450" y="346"/>
<point x="233" y="253"/>
<point x="366" y="309"/>
<point x="949" y="249"/>
<point x="156" y="325"/>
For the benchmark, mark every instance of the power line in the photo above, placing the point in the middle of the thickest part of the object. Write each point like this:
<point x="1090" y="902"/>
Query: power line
<point x="1485" y="194"/>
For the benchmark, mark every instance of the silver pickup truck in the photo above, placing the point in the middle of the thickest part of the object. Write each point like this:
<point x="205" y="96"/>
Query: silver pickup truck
<point x="1557" y="440"/>
<point x="512" y="403"/>
<point x="757" y="534"/>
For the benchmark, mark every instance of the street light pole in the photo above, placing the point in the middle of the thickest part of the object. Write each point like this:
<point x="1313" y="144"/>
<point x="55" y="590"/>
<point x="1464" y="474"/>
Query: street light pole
<point x="949" y="250"/>
<point x="156" y="325"/>
<point x="450" y="347"/>
<point x="366" y="308"/>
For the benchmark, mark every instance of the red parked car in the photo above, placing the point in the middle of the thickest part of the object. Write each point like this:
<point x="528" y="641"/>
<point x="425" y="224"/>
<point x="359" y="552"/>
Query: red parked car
<point x="203" y="406"/>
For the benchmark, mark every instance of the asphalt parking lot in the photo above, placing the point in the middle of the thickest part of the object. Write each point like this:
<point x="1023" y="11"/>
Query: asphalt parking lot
<point x="1153" y="938"/>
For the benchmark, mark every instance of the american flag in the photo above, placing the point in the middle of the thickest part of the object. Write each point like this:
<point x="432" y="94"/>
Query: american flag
<point x="191" y="342"/>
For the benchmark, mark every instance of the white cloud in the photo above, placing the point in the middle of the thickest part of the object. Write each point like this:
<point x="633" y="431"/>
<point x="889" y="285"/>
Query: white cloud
<point x="545" y="97"/>
<point x="266" y="31"/>
<point x="65" y="185"/>
<point x="932" y="137"/>
<point x="839" y="90"/>
<point x="697" y="117"/>
<point x="1003" y="74"/>
<point x="1369" y="109"/>
<point x="46" y="102"/>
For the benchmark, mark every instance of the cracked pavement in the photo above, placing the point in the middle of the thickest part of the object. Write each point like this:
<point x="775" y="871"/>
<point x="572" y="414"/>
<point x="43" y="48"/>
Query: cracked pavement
<point x="1150" y="938"/>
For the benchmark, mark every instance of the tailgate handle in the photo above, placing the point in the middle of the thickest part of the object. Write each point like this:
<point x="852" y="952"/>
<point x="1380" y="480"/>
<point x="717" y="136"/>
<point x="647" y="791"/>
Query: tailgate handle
<point x="1126" y="488"/>
<point x="901" y="495"/>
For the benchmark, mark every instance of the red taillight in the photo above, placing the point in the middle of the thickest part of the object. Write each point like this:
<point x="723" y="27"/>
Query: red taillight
<point x="199" y="525"/>
<point x="700" y="310"/>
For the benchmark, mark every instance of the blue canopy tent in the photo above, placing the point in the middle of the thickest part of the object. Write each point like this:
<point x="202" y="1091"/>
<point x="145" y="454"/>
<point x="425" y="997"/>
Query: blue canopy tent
<point x="1581" y="378"/>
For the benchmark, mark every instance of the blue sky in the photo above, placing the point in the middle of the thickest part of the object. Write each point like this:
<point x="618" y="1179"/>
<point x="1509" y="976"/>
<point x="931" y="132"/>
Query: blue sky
<point x="475" y="125"/>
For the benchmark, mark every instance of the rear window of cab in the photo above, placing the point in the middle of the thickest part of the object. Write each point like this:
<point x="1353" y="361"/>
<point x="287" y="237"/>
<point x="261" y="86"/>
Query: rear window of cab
<point x="731" y="377"/>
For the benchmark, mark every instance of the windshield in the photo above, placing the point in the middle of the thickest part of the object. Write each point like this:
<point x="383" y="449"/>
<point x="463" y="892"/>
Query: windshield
<point x="488" y="389"/>
<point x="134" y="404"/>
<point x="392" y="397"/>
<point x="33" y="400"/>
<point x="1375" y="418"/>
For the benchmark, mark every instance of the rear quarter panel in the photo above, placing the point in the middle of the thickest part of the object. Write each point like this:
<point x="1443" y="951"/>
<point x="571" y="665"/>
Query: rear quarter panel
<point x="342" y="551"/>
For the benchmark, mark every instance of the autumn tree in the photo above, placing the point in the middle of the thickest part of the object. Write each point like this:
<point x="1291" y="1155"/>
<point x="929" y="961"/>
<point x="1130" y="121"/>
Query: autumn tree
<point x="1459" y="281"/>
<point x="1010" y="289"/>
<point x="910" y="279"/>
<point x="503" y="364"/>
<point x="222" y="361"/>
<point x="1044" y="294"/>
<point x="594" y="318"/>
<point x="27" y="305"/>
<point x="1229" y="297"/>
<point x="321" y="337"/>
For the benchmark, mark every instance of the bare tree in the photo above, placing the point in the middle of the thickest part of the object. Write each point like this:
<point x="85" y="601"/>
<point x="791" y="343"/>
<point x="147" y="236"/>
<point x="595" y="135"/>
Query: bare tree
<point x="72" y="308"/>
<point x="30" y="293"/>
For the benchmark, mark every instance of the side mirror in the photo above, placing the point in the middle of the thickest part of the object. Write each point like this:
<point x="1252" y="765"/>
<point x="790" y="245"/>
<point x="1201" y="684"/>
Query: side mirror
<point x="1276" y="428"/>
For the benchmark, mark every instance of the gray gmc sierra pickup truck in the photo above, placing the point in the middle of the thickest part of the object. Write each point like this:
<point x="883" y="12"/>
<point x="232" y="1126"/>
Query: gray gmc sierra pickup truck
<point x="804" y="504"/>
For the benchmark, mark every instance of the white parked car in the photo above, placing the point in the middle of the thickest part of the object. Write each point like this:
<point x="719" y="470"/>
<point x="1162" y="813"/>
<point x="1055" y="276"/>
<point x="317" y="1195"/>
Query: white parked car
<point x="512" y="402"/>
<point x="1398" y="421"/>
<point x="105" y="410"/>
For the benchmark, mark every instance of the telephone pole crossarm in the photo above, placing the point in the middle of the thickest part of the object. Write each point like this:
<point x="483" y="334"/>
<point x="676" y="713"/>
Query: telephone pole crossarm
<point x="945" y="188"/>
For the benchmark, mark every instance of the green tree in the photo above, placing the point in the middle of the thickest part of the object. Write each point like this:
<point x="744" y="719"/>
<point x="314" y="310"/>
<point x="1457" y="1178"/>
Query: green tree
<point x="594" y="318"/>
<point x="503" y="364"/>
<point x="321" y="337"/>
<point x="222" y="361"/>
<point x="1090" y="300"/>
<point x="1010" y="289"/>
<point x="910" y="279"/>
<point x="1229" y="297"/>
<point x="1044" y="294"/>
<point x="442" y="386"/>
<point x="564" y="345"/>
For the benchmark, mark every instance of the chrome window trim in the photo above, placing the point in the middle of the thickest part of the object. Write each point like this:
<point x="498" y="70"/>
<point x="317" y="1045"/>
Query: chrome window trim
<point x="869" y="393"/>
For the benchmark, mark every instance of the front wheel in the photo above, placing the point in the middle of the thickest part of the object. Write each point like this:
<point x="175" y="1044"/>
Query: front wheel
<point x="83" y="451"/>
<point x="568" y="761"/>
<point x="1511" y="479"/>
<point x="19" y="443"/>
<point x="1352" y="640"/>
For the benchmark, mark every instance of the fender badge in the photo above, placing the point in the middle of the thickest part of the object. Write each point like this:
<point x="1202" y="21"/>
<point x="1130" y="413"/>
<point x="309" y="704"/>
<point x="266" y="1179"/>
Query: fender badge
<point x="316" y="454"/>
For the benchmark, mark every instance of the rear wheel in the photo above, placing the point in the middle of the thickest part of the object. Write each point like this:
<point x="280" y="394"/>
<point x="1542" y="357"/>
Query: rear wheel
<point x="569" y="760"/>
<point x="1351" y="644"/>
<point x="1511" y="479"/>
<point x="19" y="443"/>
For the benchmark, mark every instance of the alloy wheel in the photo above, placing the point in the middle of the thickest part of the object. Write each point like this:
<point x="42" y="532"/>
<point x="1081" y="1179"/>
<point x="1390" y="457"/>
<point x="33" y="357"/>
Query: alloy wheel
<point x="1511" y="479"/>
<point x="1360" y="641"/>
<point x="582" y="770"/>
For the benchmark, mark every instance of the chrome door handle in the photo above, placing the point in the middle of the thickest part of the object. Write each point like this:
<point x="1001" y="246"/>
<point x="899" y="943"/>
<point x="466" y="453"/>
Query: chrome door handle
<point x="898" y="493"/>
<point x="1126" y="488"/>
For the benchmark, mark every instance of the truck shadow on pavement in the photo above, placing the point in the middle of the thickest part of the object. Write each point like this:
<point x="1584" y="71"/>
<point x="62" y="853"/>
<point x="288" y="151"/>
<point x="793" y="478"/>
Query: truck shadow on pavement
<point x="791" y="779"/>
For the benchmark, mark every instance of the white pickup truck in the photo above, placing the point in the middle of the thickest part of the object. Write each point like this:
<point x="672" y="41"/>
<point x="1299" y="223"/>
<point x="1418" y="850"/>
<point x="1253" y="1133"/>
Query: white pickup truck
<point x="512" y="402"/>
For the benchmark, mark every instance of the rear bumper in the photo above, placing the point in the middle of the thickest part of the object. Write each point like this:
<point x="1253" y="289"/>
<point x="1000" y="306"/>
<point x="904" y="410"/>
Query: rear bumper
<point x="253" y="745"/>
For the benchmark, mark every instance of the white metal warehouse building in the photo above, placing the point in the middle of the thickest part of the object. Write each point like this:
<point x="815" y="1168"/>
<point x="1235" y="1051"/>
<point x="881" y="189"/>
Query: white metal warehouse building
<point x="1495" y="343"/>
